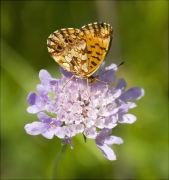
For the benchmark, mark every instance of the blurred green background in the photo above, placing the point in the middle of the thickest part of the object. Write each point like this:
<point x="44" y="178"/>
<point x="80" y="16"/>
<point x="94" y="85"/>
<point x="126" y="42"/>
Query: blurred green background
<point x="140" y="40"/>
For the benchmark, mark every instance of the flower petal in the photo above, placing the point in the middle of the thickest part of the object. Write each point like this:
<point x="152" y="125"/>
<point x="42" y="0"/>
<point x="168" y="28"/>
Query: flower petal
<point x="44" y="118"/>
<point x="111" y="67"/>
<point x="108" y="75"/>
<point x="60" y="132"/>
<point x="107" y="151"/>
<point x="113" y="140"/>
<point x="101" y="69"/>
<point x="134" y="93"/>
<point x="31" y="99"/>
<point x="131" y="105"/>
<point x="44" y="76"/>
<point x="42" y="91"/>
<point x="34" y="128"/>
<point x="66" y="73"/>
<point x="103" y="134"/>
<point x="128" y="118"/>
<point x="48" y="134"/>
<point x="121" y="84"/>
<point x="90" y="132"/>
<point x="34" y="109"/>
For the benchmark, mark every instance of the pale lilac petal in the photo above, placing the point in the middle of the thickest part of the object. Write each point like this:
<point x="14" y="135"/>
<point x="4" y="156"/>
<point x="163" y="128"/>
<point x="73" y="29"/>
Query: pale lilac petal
<point x="110" y="122"/>
<point x="111" y="67"/>
<point x="121" y="84"/>
<point x="99" y="123"/>
<point x="42" y="91"/>
<point x="44" y="76"/>
<point x="103" y="134"/>
<point x="117" y="93"/>
<point x="60" y="132"/>
<point x="134" y="93"/>
<point x="48" y="134"/>
<point x="36" y="102"/>
<point x="103" y="112"/>
<point x="43" y="117"/>
<point x="92" y="113"/>
<point x="107" y="151"/>
<point x="47" y="81"/>
<point x="48" y="120"/>
<point x="70" y="130"/>
<point x="128" y="118"/>
<point x="65" y="73"/>
<point x="34" y="109"/>
<point x="113" y="140"/>
<point x="123" y="108"/>
<point x="79" y="128"/>
<point x="90" y="132"/>
<point x="108" y="76"/>
<point x="89" y="122"/>
<point x="131" y="105"/>
<point x="31" y="99"/>
<point x="34" y="128"/>
<point x="101" y="69"/>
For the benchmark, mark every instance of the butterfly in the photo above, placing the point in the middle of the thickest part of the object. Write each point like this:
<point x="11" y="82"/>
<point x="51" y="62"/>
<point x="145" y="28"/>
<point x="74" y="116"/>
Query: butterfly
<point x="81" y="51"/>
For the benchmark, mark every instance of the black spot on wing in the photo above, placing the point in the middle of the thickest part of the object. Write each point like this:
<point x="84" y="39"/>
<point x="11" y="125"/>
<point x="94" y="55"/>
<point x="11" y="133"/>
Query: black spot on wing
<point x="89" y="52"/>
<point x="98" y="53"/>
<point x="96" y="58"/>
<point x="93" y="63"/>
<point x="100" y="47"/>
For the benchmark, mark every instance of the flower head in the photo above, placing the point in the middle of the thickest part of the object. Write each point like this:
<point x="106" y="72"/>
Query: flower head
<point x="93" y="109"/>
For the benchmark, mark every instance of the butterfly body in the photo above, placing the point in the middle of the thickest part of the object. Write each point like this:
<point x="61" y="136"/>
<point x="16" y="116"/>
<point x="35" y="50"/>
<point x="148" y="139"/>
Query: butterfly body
<point x="81" y="51"/>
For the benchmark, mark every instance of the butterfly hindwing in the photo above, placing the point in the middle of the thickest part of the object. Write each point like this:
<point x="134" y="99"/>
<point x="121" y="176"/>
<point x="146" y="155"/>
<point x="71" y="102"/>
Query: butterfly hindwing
<point x="68" y="50"/>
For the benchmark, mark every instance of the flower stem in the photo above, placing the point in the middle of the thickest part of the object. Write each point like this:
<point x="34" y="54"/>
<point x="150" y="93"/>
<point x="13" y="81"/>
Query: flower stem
<point x="56" y="163"/>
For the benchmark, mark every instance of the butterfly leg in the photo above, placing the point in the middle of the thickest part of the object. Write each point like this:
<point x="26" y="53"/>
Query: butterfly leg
<point x="87" y="88"/>
<point x="68" y="81"/>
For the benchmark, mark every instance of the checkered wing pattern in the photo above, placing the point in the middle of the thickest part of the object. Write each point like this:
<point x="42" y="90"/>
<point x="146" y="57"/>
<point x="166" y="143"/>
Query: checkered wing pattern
<point x="81" y="51"/>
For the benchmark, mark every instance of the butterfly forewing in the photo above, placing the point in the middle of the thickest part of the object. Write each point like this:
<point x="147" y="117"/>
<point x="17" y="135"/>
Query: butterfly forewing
<point x="81" y="51"/>
<point x="98" y="39"/>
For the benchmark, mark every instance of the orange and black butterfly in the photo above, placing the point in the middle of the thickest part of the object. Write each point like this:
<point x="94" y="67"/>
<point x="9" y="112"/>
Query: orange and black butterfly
<point x="81" y="51"/>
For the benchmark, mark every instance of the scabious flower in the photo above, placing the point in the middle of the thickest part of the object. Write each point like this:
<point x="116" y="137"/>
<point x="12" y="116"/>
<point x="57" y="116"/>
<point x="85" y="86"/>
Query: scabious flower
<point x="69" y="108"/>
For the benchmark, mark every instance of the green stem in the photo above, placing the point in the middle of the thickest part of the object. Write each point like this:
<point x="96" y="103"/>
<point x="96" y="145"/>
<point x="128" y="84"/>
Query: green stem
<point x="56" y="163"/>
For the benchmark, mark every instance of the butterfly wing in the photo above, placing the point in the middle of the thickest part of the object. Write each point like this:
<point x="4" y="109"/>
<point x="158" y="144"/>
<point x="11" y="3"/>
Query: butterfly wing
<point x="98" y="38"/>
<point x="69" y="50"/>
<point x="81" y="51"/>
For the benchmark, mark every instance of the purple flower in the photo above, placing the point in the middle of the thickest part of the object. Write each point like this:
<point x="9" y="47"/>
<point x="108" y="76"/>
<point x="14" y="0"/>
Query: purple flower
<point x="93" y="110"/>
<point x="103" y="141"/>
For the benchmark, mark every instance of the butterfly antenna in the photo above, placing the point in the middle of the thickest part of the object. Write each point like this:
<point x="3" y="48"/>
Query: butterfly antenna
<point x="110" y="69"/>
